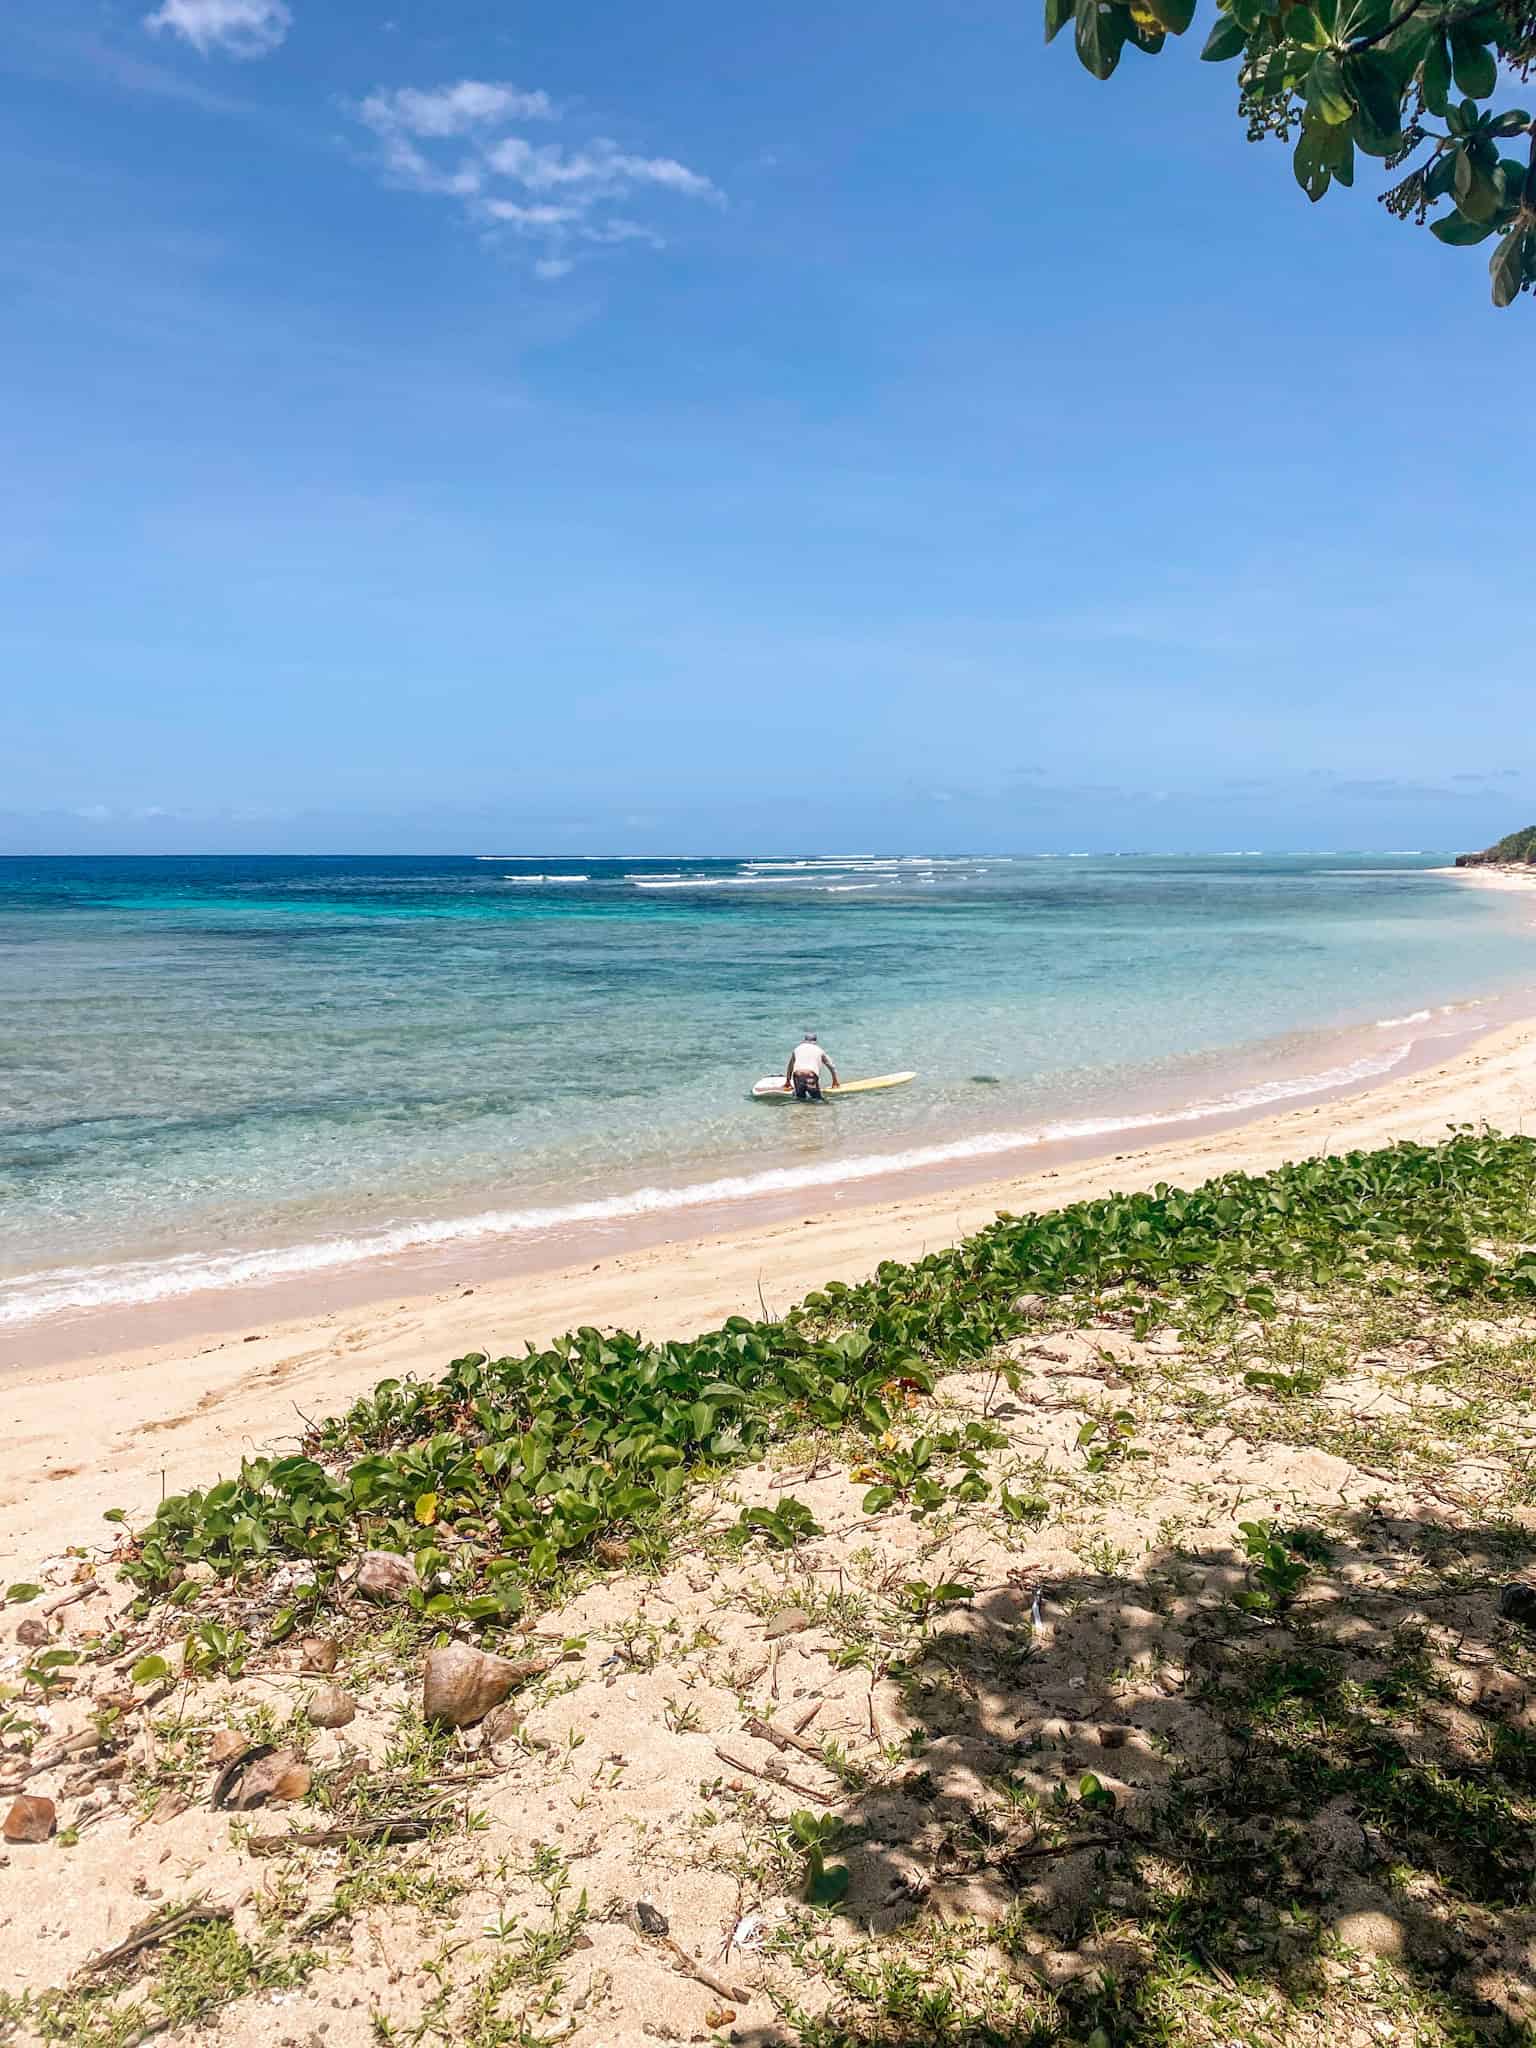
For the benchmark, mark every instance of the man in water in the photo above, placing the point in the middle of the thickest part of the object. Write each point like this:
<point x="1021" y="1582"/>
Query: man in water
<point x="803" y="1073"/>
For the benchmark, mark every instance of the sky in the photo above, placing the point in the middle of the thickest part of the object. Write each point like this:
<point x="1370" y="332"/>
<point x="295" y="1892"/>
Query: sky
<point x="439" y="425"/>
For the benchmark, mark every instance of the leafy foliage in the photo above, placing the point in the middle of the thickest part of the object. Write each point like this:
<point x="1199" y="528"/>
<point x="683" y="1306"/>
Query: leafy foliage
<point x="1278" y="1566"/>
<point x="810" y="1836"/>
<point x="1512" y="850"/>
<point x="1406" y="82"/>
<point x="1105" y="1439"/>
<point x="785" y="1527"/>
<point x="528" y="1461"/>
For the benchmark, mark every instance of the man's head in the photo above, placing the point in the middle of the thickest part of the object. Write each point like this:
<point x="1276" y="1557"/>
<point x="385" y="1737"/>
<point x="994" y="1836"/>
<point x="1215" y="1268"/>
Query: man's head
<point x="809" y="1039"/>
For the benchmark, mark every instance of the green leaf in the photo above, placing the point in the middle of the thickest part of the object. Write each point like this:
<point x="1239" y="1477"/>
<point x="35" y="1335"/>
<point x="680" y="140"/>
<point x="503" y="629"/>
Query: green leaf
<point x="1514" y="122"/>
<point x="1377" y="95"/>
<point x="878" y="1497"/>
<point x="21" y="1592"/>
<point x="1507" y="266"/>
<point x="1440" y="175"/>
<point x="1323" y="153"/>
<point x="1327" y="94"/>
<point x="1095" y="1794"/>
<point x="1406" y="49"/>
<point x="1057" y="14"/>
<point x="1477" y="193"/>
<point x="1461" y="234"/>
<point x="1473" y="65"/>
<point x="426" y="1509"/>
<point x="1434" y="78"/>
<point x="828" y="1886"/>
<point x="1101" y="33"/>
<point x="1173" y="15"/>
<point x="148" y="1669"/>
<point x="1226" y="40"/>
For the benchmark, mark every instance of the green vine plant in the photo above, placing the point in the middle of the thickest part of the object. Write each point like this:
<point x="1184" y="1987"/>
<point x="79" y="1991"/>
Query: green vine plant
<point x="1408" y="82"/>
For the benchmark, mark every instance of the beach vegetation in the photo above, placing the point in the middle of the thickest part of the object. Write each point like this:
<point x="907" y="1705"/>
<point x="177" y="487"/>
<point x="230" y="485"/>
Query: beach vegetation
<point x="1515" y="849"/>
<point x="530" y="1462"/>
<point x="1419" y="86"/>
<point x="1108" y="1764"/>
<point x="784" y="1527"/>
<point x="1278" y="1566"/>
<point x="192" y="1977"/>
<point x="812" y="1837"/>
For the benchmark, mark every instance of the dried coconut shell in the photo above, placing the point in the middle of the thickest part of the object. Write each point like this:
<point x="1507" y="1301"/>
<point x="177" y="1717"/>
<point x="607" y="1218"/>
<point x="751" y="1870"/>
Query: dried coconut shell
<point x="31" y="1819"/>
<point x="384" y="1575"/>
<point x="331" y="1707"/>
<point x="273" y="1780"/>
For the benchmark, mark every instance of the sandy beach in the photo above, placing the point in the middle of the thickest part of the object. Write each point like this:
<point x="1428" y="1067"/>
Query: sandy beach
<point x="120" y="1428"/>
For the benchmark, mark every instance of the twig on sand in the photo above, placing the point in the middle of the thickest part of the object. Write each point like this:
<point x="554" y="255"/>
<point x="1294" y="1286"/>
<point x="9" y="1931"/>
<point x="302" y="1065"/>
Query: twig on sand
<point x="779" y="1777"/>
<point x="1223" y="1978"/>
<point x="1061" y="1848"/>
<point x="42" y="1760"/>
<point x="701" y="1973"/>
<point x="782" y="1738"/>
<point x="85" y="1592"/>
<point x="153" y="1931"/>
<point x="405" y="1827"/>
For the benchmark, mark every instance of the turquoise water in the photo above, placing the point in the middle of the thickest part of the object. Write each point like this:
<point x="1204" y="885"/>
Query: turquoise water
<point x="226" y="1069"/>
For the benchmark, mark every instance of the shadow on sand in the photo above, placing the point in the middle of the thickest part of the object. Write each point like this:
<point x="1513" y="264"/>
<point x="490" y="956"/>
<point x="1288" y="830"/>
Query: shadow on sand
<point x="1178" y="1806"/>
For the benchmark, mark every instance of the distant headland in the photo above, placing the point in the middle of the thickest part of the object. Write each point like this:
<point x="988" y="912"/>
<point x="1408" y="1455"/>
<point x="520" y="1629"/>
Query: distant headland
<point x="1515" y="849"/>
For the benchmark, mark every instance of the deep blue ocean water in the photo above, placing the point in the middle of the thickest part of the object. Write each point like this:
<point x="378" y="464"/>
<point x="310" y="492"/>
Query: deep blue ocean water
<point x="219" y="1069"/>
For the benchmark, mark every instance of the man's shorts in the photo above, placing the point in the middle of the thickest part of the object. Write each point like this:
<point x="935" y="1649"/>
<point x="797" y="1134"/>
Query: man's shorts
<point x="808" y="1088"/>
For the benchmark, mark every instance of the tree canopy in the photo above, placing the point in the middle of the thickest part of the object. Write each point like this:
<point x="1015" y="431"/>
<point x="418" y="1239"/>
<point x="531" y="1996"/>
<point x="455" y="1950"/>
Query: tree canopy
<point x="1513" y="847"/>
<point x="1415" y="83"/>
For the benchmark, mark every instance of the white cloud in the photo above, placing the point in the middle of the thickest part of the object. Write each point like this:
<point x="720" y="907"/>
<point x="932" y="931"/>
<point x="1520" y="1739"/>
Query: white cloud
<point x="462" y="141"/>
<point x="598" y="171"/>
<point x="239" y="28"/>
<point x="454" y="109"/>
<point x="514" y="214"/>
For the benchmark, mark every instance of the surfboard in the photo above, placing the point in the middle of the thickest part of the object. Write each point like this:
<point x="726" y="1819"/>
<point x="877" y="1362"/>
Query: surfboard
<point x="771" y="1088"/>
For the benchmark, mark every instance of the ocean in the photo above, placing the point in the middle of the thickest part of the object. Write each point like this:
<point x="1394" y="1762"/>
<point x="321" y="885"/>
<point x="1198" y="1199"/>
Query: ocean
<point x="228" y="1070"/>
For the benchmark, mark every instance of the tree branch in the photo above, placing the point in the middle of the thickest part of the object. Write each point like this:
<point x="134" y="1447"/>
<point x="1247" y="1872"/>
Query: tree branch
<point x="1358" y="43"/>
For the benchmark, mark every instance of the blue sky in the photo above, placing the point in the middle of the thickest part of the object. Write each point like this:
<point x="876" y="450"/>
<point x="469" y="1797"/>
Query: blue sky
<point x="435" y="421"/>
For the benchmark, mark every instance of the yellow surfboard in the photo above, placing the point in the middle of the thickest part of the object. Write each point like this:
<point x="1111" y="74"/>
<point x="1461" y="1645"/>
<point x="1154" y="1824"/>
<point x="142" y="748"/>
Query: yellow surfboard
<point x="772" y="1089"/>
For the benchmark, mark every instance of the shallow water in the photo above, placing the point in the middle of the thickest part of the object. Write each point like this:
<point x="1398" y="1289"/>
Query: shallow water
<point x="227" y="1069"/>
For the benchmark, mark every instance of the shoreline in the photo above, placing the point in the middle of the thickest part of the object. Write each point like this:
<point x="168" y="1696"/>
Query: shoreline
<point x="1502" y="876"/>
<point x="176" y="1298"/>
<point x="119" y="1427"/>
<point x="123" y="1271"/>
